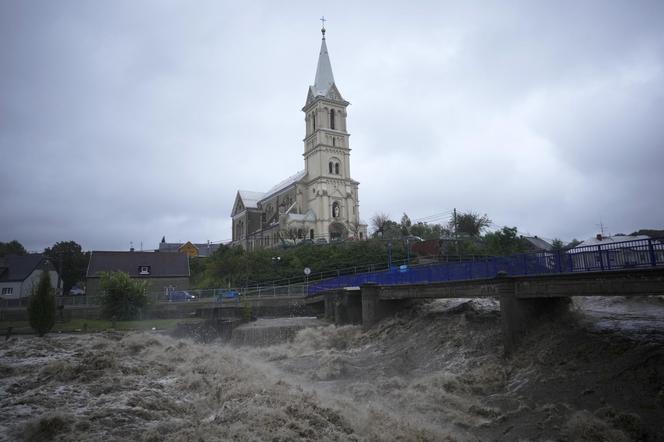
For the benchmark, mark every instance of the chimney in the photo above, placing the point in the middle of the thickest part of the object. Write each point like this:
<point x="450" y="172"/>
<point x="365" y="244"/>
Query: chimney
<point x="599" y="237"/>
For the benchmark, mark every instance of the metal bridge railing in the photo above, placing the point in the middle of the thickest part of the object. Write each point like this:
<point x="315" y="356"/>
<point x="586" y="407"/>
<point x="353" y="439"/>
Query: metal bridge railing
<point x="604" y="257"/>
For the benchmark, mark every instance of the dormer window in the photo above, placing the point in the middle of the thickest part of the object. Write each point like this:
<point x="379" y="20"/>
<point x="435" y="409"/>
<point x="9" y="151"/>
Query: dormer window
<point x="143" y="270"/>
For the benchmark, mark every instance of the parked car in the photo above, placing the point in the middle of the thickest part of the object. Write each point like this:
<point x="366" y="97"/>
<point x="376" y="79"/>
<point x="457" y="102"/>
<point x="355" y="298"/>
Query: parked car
<point x="76" y="291"/>
<point x="227" y="294"/>
<point x="180" y="295"/>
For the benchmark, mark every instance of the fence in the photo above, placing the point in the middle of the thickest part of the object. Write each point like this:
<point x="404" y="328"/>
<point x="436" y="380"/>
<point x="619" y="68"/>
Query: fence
<point x="604" y="257"/>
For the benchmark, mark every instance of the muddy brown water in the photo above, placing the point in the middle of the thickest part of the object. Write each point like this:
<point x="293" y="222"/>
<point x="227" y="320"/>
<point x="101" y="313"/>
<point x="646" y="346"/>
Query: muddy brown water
<point x="435" y="372"/>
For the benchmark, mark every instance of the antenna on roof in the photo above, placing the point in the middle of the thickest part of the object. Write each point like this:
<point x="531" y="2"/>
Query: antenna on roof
<point x="601" y="227"/>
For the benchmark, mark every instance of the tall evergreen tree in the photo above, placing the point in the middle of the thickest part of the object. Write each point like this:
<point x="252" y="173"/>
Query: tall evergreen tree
<point x="41" y="309"/>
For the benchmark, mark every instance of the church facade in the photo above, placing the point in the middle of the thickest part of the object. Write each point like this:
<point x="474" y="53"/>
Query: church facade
<point x="319" y="203"/>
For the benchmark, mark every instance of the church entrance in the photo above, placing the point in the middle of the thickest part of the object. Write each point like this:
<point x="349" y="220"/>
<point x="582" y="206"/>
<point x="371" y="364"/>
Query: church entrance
<point x="338" y="231"/>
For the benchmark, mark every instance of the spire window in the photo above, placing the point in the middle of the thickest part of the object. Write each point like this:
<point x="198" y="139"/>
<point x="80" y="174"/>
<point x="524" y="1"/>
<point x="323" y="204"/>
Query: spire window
<point x="336" y="168"/>
<point x="331" y="166"/>
<point x="332" y="119"/>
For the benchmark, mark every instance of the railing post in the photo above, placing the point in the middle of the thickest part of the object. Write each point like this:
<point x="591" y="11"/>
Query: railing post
<point x="653" y="257"/>
<point x="560" y="261"/>
<point x="601" y="259"/>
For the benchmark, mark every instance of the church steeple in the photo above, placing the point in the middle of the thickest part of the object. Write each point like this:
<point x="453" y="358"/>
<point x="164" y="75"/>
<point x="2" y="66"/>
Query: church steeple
<point x="324" y="78"/>
<point x="324" y="82"/>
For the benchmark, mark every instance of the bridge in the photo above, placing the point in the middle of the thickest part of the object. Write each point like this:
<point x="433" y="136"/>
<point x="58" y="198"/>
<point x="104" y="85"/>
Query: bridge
<point x="529" y="286"/>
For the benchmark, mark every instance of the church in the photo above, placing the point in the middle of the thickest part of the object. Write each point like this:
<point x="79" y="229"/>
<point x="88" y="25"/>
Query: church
<point x="320" y="203"/>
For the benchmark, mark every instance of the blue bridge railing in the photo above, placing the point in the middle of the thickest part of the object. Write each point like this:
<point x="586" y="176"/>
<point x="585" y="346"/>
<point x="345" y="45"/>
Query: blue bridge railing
<point x="609" y="256"/>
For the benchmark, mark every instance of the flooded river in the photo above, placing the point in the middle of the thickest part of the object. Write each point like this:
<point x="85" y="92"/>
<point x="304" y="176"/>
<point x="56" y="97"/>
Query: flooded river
<point x="435" y="372"/>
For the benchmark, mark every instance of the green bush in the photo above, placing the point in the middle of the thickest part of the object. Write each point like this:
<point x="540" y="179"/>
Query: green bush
<point x="41" y="309"/>
<point x="122" y="298"/>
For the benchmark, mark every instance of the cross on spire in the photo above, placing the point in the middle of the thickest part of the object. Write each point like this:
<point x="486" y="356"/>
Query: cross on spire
<point x="322" y="29"/>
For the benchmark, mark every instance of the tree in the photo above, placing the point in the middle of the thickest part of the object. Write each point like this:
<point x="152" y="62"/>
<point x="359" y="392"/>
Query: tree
<point x="557" y="244"/>
<point x="12" y="248"/>
<point x="573" y="243"/>
<point x="428" y="231"/>
<point x="405" y="225"/>
<point x="123" y="298"/>
<point x="378" y="223"/>
<point x="469" y="223"/>
<point x="70" y="261"/>
<point x="41" y="309"/>
<point x="503" y="242"/>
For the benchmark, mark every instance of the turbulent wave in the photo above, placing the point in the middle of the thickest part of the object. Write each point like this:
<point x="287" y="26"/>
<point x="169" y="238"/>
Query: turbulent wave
<point x="434" y="372"/>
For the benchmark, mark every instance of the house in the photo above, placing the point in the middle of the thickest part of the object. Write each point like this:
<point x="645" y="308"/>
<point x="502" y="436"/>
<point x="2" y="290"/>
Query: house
<point x="188" y="248"/>
<point x="164" y="271"/>
<point x="321" y="202"/>
<point x="19" y="274"/>
<point x="620" y="251"/>
<point x="536" y="244"/>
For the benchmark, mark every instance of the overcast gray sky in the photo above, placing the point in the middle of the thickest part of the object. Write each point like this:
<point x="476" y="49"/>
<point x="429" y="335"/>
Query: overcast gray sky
<point x="124" y="121"/>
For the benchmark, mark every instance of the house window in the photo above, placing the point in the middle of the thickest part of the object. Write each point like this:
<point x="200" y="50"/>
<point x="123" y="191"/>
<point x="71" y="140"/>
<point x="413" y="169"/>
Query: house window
<point x="7" y="290"/>
<point x="332" y="119"/>
<point x="143" y="270"/>
<point x="336" y="168"/>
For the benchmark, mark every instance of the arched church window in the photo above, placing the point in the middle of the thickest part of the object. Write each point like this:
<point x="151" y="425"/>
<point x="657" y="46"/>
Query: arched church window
<point x="330" y="166"/>
<point x="332" y="119"/>
<point x="336" y="168"/>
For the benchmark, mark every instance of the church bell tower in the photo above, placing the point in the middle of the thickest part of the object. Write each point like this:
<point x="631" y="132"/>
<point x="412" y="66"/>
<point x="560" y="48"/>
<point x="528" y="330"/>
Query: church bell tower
<point x="332" y="193"/>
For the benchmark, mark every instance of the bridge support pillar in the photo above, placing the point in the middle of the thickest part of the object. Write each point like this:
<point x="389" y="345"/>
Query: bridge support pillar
<point x="330" y="299"/>
<point x="344" y="307"/>
<point x="520" y="315"/>
<point x="374" y="309"/>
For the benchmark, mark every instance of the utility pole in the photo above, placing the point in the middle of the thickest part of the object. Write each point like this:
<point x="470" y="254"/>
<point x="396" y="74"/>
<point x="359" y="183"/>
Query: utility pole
<point x="456" y="237"/>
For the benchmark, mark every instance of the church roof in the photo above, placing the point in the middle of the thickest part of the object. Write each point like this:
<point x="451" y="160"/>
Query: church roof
<point x="250" y="199"/>
<point x="284" y="184"/>
<point x="324" y="78"/>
